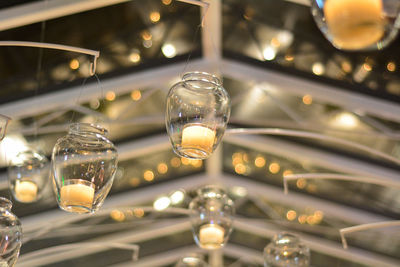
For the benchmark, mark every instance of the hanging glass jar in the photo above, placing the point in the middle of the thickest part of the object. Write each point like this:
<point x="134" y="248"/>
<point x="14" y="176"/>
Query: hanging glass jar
<point x="357" y="24"/>
<point x="11" y="234"/>
<point x="211" y="217"/>
<point x="286" y="250"/>
<point x="198" y="110"/>
<point x="84" y="163"/>
<point x="193" y="260"/>
<point x="28" y="174"/>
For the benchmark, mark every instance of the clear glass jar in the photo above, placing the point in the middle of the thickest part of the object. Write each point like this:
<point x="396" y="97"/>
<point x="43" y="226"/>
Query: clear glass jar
<point x="84" y="163"/>
<point x="198" y="110"/>
<point x="211" y="217"/>
<point x="193" y="260"/>
<point x="357" y="24"/>
<point x="28" y="174"/>
<point x="11" y="234"/>
<point x="286" y="250"/>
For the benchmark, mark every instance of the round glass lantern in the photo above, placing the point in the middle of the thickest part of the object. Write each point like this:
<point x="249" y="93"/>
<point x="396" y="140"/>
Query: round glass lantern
<point x="84" y="163"/>
<point x="11" y="234"/>
<point x="357" y="24"/>
<point x="28" y="174"/>
<point x="212" y="217"/>
<point x="198" y="110"/>
<point x="193" y="260"/>
<point x="286" y="250"/>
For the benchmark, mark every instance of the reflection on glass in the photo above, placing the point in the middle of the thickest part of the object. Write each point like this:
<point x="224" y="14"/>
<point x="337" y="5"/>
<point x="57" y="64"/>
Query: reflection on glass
<point x="3" y="125"/>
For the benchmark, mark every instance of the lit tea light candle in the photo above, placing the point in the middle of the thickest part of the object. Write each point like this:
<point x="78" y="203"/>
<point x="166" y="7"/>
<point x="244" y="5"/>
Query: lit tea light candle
<point x="77" y="197"/>
<point x="211" y="236"/>
<point x="25" y="191"/>
<point x="198" y="137"/>
<point x="354" y="24"/>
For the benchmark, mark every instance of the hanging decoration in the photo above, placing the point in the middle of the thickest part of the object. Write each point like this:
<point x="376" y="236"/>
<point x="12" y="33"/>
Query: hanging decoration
<point x="211" y="217"/>
<point x="198" y="110"/>
<point x="286" y="250"/>
<point x="28" y="174"/>
<point x="357" y="24"/>
<point x="11" y="234"/>
<point x="84" y="163"/>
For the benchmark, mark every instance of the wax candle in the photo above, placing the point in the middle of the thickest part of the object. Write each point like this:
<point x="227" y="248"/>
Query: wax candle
<point x="196" y="136"/>
<point x="354" y="24"/>
<point x="25" y="191"/>
<point x="211" y="236"/>
<point x="77" y="197"/>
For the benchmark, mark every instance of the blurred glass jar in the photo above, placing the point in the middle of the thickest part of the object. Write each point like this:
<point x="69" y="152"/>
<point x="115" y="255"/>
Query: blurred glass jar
<point x="28" y="174"/>
<point x="84" y="163"/>
<point x="211" y="217"/>
<point x="357" y="24"/>
<point x="286" y="250"/>
<point x="193" y="260"/>
<point x="198" y="110"/>
<point x="11" y="234"/>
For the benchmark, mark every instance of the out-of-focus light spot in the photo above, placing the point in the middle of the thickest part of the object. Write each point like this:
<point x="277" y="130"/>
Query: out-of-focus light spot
<point x="94" y="103"/>
<point x="391" y="66"/>
<point x="239" y="191"/>
<point x="166" y="2"/>
<point x="147" y="43"/>
<point x="197" y="163"/>
<point x="245" y="157"/>
<point x="285" y="38"/>
<point x="318" y="215"/>
<point x="177" y="197"/>
<point x="367" y="67"/>
<point x="136" y="95"/>
<point x="146" y="35"/>
<point x="185" y="161"/>
<point x="110" y="96"/>
<point x="238" y="159"/>
<point x="175" y="162"/>
<point x="134" y="181"/>
<point x="148" y="175"/>
<point x="287" y="172"/>
<point x="301" y="183"/>
<point x="168" y="50"/>
<point x="346" y="66"/>
<point x="318" y="68"/>
<point x="312" y="188"/>
<point x="249" y="13"/>
<point x="345" y="120"/>
<point x="154" y="16"/>
<point x="162" y="168"/>
<point x="74" y="64"/>
<point x="307" y="99"/>
<point x="117" y="215"/>
<point x="302" y="219"/>
<point x="311" y="220"/>
<point x="259" y="162"/>
<point x="134" y="57"/>
<point x="289" y="57"/>
<point x="240" y="168"/>
<point x="291" y="215"/>
<point x="275" y="42"/>
<point x="162" y="203"/>
<point x="274" y="167"/>
<point x="138" y="212"/>
<point x="269" y="53"/>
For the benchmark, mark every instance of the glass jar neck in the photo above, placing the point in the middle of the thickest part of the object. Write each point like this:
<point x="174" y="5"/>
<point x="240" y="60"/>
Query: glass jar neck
<point x="211" y="191"/>
<point x="5" y="204"/>
<point x="286" y="239"/>
<point x="87" y="129"/>
<point x="201" y="80"/>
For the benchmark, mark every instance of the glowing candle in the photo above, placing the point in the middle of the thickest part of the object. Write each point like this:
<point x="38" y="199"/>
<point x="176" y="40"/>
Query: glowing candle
<point x="211" y="236"/>
<point x="77" y="197"/>
<point x="354" y="24"/>
<point x="198" y="137"/>
<point x="26" y="191"/>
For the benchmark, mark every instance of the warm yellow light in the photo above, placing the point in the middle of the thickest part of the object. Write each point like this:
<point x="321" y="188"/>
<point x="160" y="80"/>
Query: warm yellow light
<point x="162" y="203"/>
<point x="236" y="161"/>
<point x="175" y="162"/>
<point x="287" y="172"/>
<point x="138" y="212"/>
<point x="307" y="99"/>
<point x="155" y="16"/>
<point x="346" y="66"/>
<point x="185" y="161"/>
<point x="318" y="68"/>
<point x="168" y="50"/>
<point x="197" y="163"/>
<point x="162" y="168"/>
<point x="166" y="2"/>
<point x="301" y="183"/>
<point x="312" y="188"/>
<point x="269" y="53"/>
<point x="134" y="181"/>
<point x="110" y="96"/>
<point x="146" y="35"/>
<point x="291" y="215"/>
<point x="245" y="157"/>
<point x="134" y="57"/>
<point x="274" y="167"/>
<point x="74" y="64"/>
<point x="275" y="42"/>
<point x="311" y="220"/>
<point x="136" y="95"/>
<point x="302" y="219"/>
<point x="259" y="162"/>
<point x="367" y="67"/>
<point x="117" y="215"/>
<point x="289" y="57"/>
<point x="240" y="168"/>
<point x="391" y="66"/>
<point x="148" y="175"/>
<point x="318" y="215"/>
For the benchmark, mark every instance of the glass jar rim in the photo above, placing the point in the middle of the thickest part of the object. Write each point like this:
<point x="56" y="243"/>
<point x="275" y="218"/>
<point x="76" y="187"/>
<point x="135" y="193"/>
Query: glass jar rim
<point x="87" y="128"/>
<point x="286" y="239"/>
<point x="202" y="77"/>
<point x="211" y="191"/>
<point x="5" y="203"/>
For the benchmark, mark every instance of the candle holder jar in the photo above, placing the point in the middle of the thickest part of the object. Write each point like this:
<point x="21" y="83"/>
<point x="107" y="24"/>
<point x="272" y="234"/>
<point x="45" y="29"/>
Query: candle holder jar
<point x="193" y="260"/>
<point x="286" y="250"/>
<point x="11" y="234"/>
<point x="198" y="110"/>
<point x="28" y="174"/>
<point x="357" y="24"/>
<point x="211" y="217"/>
<point x="84" y="163"/>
